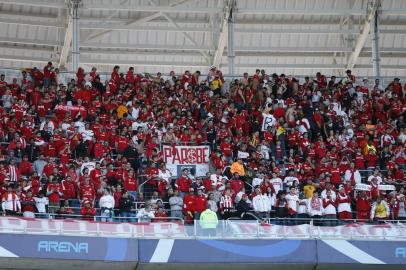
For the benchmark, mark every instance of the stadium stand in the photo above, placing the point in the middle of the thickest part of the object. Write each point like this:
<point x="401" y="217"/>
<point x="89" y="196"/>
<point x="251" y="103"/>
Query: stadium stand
<point x="264" y="146"/>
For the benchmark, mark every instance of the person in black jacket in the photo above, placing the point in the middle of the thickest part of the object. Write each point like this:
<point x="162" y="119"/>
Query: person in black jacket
<point x="125" y="204"/>
<point x="244" y="209"/>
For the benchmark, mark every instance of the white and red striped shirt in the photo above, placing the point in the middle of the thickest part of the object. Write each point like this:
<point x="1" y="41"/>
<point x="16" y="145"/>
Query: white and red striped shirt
<point x="11" y="202"/>
<point x="13" y="173"/>
<point x="226" y="202"/>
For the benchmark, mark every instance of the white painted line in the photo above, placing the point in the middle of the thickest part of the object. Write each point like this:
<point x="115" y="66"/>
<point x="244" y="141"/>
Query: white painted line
<point x="5" y="253"/>
<point x="162" y="251"/>
<point x="352" y="251"/>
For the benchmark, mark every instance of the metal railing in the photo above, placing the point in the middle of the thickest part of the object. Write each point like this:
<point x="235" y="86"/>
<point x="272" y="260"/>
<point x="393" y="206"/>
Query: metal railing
<point x="224" y="229"/>
<point x="16" y="73"/>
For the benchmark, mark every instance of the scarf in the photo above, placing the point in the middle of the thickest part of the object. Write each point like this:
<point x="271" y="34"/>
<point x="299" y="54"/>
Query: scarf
<point x="315" y="203"/>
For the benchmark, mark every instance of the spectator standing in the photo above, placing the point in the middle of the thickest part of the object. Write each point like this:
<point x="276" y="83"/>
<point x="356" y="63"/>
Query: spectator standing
<point x="363" y="205"/>
<point x="176" y="204"/>
<point x="261" y="204"/>
<point x="183" y="183"/>
<point x="343" y="204"/>
<point x="28" y="205"/>
<point x="87" y="211"/>
<point x="125" y="205"/>
<point x="145" y="214"/>
<point x="42" y="204"/>
<point x="380" y="210"/>
<point x="200" y="203"/>
<point x="208" y="222"/>
<point x="106" y="204"/>
<point x="315" y="208"/>
<point x="189" y="202"/>
<point x="10" y="202"/>
<point x="293" y="204"/>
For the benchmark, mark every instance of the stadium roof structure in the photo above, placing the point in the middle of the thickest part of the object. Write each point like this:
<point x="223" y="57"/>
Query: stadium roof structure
<point x="296" y="37"/>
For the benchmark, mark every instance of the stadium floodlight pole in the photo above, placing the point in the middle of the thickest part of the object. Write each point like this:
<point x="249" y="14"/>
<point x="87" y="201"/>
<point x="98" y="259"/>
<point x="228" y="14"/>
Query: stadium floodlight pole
<point x="230" y="42"/>
<point x="74" y="8"/>
<point x="375" y="35"/>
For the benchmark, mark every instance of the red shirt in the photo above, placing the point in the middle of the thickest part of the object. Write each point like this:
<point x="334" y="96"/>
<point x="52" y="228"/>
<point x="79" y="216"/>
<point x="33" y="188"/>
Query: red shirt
<point x="200" y="203"/>
<point x="28" y="208"/>
<point x="87" y="192"/>
<point x="88" y="213"/>
<point x="226" y="149"/>
<point x="236" y="185"/>
<point x="183" y="184"/>
<point x="335" y="176"/>
<point x="68" y="189"/>
<point x="54" y="196"/>
<point x="130" y="183"/>
<point x="189" y="203"/>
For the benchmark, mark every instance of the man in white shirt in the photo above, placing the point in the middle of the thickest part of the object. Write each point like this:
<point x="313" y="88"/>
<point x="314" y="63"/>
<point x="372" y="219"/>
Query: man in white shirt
<point x="217" y="178"/>
<point x="145" y="214"/>
<point x="315" y="207"/>
<point x="376" y="175"/>
<point x="165" y="174"/>
<point x="353" y="175"/>
<point x="106" y="205"/>
<point x="288" y="181"/>
<point x="261" y="204"/>
<point x="277" y="182"/>
<point x="41" y="202"/>
<point x="257" y="181"/>
<point x="10" y="202"/>
<point x="293" y="204"/>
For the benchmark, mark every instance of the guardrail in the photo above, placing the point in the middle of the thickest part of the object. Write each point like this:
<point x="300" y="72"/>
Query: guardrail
<point x="225" y="229"/>
<point x="16" y="73"/>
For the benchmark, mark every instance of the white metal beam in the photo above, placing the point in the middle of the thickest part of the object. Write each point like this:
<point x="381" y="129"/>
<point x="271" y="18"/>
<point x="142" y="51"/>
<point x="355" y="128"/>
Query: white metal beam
<point x="29" y="41"/>
<point x="218" y="54"/>
<point x="135" y="22"/>
<point x="185" y="34"/>
<point x="66" y="44"/>
<point x="99" y="61"/>
<point x="320" y="12"/>
<point x="145" y="46"/>
<point x="158" y="8"/>
<point x="27" y="59"/>
<point x="201" y="28"/>
<point x="36" y="3"/>
<point x="361" y="39"/>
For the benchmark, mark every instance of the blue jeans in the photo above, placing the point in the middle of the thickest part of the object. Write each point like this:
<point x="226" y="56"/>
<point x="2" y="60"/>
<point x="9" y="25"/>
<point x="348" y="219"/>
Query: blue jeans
<point x="107" y="215"/>
<point x="133" y="194"/>
<point x="127" y="217"/>
<point x="47" y="81"/>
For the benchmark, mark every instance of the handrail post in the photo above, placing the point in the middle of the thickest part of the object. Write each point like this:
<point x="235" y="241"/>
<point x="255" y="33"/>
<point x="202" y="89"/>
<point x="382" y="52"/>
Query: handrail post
<point x="258" y="224"/>
<point x="195" y="229"/>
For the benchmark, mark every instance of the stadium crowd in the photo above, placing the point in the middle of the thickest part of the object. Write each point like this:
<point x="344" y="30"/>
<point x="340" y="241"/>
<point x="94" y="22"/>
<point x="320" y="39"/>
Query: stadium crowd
<point x="319" y="148"/>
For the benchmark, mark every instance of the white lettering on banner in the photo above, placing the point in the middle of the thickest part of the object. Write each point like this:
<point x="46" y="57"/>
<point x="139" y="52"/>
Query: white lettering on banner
<point x="363" y="187"/>
<point x="175" y="156"/>
<point x="76" y="227"/>
<point x="386" y="187"/>
<point x="305" y="230"/>
<point x="268" y="121"/>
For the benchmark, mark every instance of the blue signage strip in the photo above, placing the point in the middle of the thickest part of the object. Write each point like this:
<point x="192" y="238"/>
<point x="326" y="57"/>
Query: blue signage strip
<point x="203" y="251"/>
<point x="69" y="247"/>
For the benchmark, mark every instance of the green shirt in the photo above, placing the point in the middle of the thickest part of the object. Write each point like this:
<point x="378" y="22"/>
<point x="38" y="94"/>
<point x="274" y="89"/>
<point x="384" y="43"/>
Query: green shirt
<point x="208" y="219"/>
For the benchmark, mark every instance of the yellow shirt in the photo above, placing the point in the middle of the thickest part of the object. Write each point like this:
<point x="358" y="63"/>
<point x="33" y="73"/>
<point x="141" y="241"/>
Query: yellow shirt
<point x="216" y="84"/>
<point x="237" y="168"/>
<point x="380" y="211"/>
<point x="121" y="110"/>
<point x="308" y="191"/>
